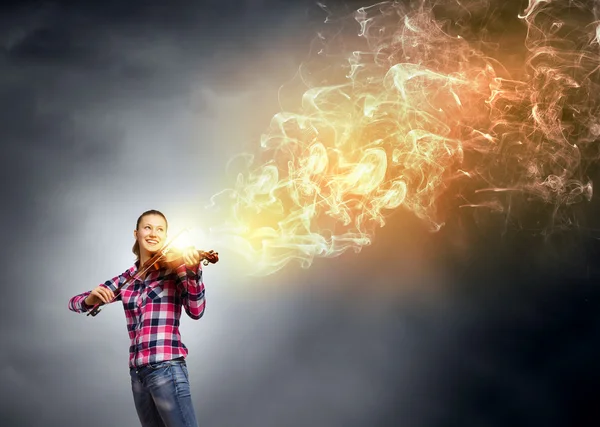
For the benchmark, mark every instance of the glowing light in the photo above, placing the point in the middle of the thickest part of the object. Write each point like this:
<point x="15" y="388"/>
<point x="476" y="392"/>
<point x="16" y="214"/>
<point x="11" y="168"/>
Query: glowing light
<point x="418" y="109"/>
<point x="181" y="240"/>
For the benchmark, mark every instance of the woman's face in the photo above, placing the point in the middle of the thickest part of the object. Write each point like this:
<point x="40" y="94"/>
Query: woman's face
<point x="151" y="233"/>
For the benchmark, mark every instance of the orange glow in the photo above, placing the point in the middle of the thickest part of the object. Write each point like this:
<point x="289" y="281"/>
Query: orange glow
<point x="418" y="110"/>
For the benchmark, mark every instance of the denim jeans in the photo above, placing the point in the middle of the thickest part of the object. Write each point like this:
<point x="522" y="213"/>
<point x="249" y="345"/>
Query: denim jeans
<point x="161" y="392"/>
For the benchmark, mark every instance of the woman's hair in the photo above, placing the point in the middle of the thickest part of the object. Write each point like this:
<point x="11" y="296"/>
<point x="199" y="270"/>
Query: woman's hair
<point x="136" y="245"/>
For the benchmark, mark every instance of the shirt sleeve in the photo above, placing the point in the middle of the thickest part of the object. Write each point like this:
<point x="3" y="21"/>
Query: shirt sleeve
<point x="77" y="303"/>
<point x="192" y="290"/>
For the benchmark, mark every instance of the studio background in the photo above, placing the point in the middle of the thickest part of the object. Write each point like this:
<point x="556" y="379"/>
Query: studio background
<point x="112" y="108"/>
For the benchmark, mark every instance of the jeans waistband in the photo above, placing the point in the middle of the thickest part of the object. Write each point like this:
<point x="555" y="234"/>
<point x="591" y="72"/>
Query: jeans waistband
<point x="139" y="368"/>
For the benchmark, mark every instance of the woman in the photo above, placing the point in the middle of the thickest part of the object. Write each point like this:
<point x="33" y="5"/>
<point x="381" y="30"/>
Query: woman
<point x="159" y="376"/>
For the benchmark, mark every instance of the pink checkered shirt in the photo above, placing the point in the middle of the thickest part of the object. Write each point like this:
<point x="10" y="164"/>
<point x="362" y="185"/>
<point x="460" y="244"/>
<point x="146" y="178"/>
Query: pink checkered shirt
<point x="153" y="309"/>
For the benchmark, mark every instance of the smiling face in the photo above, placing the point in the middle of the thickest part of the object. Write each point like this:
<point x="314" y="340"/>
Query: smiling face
<point x="151" y="234"/>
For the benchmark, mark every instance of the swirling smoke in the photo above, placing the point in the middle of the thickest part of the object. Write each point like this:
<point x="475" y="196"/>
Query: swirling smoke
<point x="410" y="106"/>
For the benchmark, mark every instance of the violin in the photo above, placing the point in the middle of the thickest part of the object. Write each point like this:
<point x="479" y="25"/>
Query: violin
<point x="173" y="258"/>
<point x="167" y="257"/>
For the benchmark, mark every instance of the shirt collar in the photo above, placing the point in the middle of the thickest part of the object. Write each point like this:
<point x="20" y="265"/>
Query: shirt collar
<point x="136" y="266"/>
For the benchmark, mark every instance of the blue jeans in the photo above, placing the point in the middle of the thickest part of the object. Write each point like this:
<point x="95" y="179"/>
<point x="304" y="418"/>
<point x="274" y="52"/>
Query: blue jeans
<point x="161" y="392"/>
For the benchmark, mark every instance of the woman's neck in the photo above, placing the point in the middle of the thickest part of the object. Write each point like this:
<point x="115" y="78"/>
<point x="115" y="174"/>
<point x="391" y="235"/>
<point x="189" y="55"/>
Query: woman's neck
<point x="144" y="257"/>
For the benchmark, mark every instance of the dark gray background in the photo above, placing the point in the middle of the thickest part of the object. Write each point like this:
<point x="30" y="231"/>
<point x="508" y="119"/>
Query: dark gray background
<point x="110" y="108"/>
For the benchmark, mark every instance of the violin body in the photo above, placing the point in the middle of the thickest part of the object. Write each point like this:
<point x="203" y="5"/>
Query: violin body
<point x="173" y="258"/>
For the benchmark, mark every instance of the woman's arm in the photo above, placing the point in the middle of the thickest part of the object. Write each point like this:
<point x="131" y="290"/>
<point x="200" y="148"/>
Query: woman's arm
<point x="192" y="292"/>
<point x="78" y="303"/>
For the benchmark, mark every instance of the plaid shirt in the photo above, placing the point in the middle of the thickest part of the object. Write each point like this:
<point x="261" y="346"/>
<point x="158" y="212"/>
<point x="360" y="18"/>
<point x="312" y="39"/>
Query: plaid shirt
<point x="153" y="309"/>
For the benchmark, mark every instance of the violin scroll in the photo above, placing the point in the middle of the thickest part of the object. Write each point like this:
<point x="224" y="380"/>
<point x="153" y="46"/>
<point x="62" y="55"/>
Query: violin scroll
<point x="210" y="257"/>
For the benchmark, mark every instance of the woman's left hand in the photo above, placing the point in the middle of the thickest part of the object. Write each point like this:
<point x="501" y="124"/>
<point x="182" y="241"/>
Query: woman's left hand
<point x="191" y="257"/>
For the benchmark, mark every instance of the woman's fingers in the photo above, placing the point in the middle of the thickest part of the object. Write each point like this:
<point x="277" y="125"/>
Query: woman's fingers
<point x="96" y="293"/>
<point x="104" y="294"/>
<point x="191" y="257"/>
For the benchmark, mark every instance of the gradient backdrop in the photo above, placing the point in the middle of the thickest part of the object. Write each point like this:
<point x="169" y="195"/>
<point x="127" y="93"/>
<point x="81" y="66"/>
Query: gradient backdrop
<point x="111" y="108"/>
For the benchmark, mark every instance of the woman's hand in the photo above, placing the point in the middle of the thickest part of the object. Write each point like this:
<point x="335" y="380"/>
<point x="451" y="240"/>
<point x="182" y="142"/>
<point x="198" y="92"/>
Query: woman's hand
<point x="191" y="257"/>
<point x="100" y="294"/>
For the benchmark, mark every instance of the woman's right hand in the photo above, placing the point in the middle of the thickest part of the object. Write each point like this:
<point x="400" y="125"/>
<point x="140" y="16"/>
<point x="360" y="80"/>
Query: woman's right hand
<point x="99" y="295"/>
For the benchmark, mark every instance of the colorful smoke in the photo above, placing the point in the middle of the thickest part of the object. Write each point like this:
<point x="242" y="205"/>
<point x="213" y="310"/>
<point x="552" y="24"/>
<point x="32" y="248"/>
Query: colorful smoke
<point x="412" y="110"/>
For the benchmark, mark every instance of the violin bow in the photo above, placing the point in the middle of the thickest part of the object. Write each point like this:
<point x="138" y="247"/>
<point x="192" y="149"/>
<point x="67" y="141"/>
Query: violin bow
<point x="157" y="256"/>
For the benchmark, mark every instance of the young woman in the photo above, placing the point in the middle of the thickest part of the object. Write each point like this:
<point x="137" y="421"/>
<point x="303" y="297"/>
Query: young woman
<point x="159" y="376"/>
